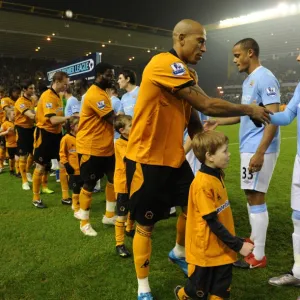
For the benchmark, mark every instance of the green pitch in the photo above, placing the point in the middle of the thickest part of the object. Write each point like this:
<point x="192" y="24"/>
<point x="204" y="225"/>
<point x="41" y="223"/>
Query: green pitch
<point x="45" y="256"/>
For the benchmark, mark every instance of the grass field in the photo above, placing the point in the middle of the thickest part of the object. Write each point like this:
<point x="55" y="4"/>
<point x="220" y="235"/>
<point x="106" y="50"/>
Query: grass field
<point x="43" y="254"/>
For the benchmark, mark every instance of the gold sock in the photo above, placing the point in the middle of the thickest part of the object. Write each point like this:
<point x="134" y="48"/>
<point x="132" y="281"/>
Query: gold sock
<point x="2" y="157"/>
<point x="130" y="224"/>
<point x="22" y="165"/>
<point x="36" y="183"/>
<point x="11" y="164"/>
<point x="182" y="295"/>
<point x="75" y="202"/>
<point x="180" y="236"/>
<point x="45" y="180"/>
<point x="120" y="232"/>
<point x="214" y="297"/>
<point x="63" y="176"/>
<point x="110" y="200"/>
<point x="142" y="247"/>
<point x="29" y="163"/>
<point x="85" y="199"/>
<point x="17" y="166"/>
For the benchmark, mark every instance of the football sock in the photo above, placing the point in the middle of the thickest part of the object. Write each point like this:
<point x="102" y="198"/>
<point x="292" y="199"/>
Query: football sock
<point x="64" y="183"/>
<point x="11" y="164"/>
<point x="259" y="222"/>
<point x="85" y="199"/>
<point x="17" y="166"/>
<point x="142" y="247"/>
<point x="143" y="286"/>
<point x="22" y="165"/>
<point x="45" y="180"/>
<point x="119" y="232"/>
<point x="110" y="200"/>
<point x="29" y="163"/>
<point x="214" y="297"/>
<point x="296" y="243"/>
<point x="182" y="295"/>
<point x="75" y="202"/>
<point x="130" y="224"/>
<point x="179" y="249"/>
<point x="248" y="209"/>
<point x="2" y="157"/>
<point x="36" y="183"/>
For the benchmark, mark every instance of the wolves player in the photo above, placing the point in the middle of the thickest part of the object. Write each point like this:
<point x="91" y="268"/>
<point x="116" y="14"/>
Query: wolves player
<point x="127" y="81"/>
<point x="284" y="118"/>
<point x="158" y="175"/>
<point x="259" y="146"/>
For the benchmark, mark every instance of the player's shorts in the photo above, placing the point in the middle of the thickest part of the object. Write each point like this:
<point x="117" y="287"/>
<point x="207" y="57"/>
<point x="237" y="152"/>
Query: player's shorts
<point x="209" y="280"/>
<point x="75" y="183"/>
<point x="258" y="181"/>
<point x="2" y="141"/>
<point x="92" y="168"/>
<point x="25" y="140"/>
<point x="46" y="146"/>
<point x="122" y="204"/>
<point x="295" y="191"/>
<point x="12" y="152"/>
<point x="155" y="189"/>
<point x="195" y="164"/>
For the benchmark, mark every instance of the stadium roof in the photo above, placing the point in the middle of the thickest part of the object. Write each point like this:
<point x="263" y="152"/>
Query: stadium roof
<point x="22" y="33"/>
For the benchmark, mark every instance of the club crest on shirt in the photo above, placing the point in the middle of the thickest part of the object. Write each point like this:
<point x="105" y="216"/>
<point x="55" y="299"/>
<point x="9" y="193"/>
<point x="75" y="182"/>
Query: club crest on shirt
<point x="178" y="69"/>
<point x="48" y="105"/>
<point x="271" y="91"/>
<point x="22" y="105"/>
<point x="252" y="83"/>
<point x="101" y="104"/>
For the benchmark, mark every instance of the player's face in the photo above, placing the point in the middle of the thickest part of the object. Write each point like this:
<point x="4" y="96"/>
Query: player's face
<point x="123" y="83"/>
<point x="61" y="86"/>
<point x="127" y="129"/>
<point x="75" y="129"/>
<point x="15" y="95"/>
<point x="241" y="58"/>
<point x="30" y="90"/>
<point x="193" y="47"/>
<point x="108" y="78"/>
<point x="221" y="157"/>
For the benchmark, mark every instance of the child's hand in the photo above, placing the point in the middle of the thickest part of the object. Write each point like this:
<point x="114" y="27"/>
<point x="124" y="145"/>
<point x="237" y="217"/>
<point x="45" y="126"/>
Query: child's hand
<point x="10" y="129"/>
<point x="246" y="249"/>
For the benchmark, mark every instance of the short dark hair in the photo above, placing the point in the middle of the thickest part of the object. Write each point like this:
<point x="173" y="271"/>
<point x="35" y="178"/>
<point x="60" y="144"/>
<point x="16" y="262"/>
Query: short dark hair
<point x="114" y="89"/>
<point x="120" y="121"/>
<point x="69" y="89"/>
<point x="25" y="84"/>
<point x="59" y="76"/>
<point x="102" y="67"/>
<point x="14" y="88"/>
<point x="129" y="74"/>
<point x="249" y="43"/>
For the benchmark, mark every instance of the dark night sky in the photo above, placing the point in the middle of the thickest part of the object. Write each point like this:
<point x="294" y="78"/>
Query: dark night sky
<point x="163" y="13"/>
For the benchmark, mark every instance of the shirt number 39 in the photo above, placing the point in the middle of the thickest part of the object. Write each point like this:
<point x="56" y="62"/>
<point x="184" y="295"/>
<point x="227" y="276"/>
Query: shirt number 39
<point x="246" y="174"/>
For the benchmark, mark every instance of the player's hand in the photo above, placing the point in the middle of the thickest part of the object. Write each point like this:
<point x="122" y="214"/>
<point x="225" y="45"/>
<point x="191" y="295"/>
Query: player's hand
<point x="246" y="249"/>
<point x="210" y="124"/>
<point x="10" y="129"/>
<point x="256" y="163"/>
<point x="260" y="114"/>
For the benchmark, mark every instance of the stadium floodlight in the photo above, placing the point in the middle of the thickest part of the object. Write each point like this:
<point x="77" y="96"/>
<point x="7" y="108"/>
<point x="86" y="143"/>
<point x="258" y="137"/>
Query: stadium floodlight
<point x="282" y="10"/>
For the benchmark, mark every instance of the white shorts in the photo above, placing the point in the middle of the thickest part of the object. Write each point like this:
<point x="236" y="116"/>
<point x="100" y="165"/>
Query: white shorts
<point x="295" y="191"/>
<point x="193" y="161"/>
<point x="258" y="181"/>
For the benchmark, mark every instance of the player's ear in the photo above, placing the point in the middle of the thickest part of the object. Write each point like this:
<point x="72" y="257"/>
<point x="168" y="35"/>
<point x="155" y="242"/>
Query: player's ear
<point x="250" y="53"/>
<point x="181" y="38"/>
<point x="208" y="157"/>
